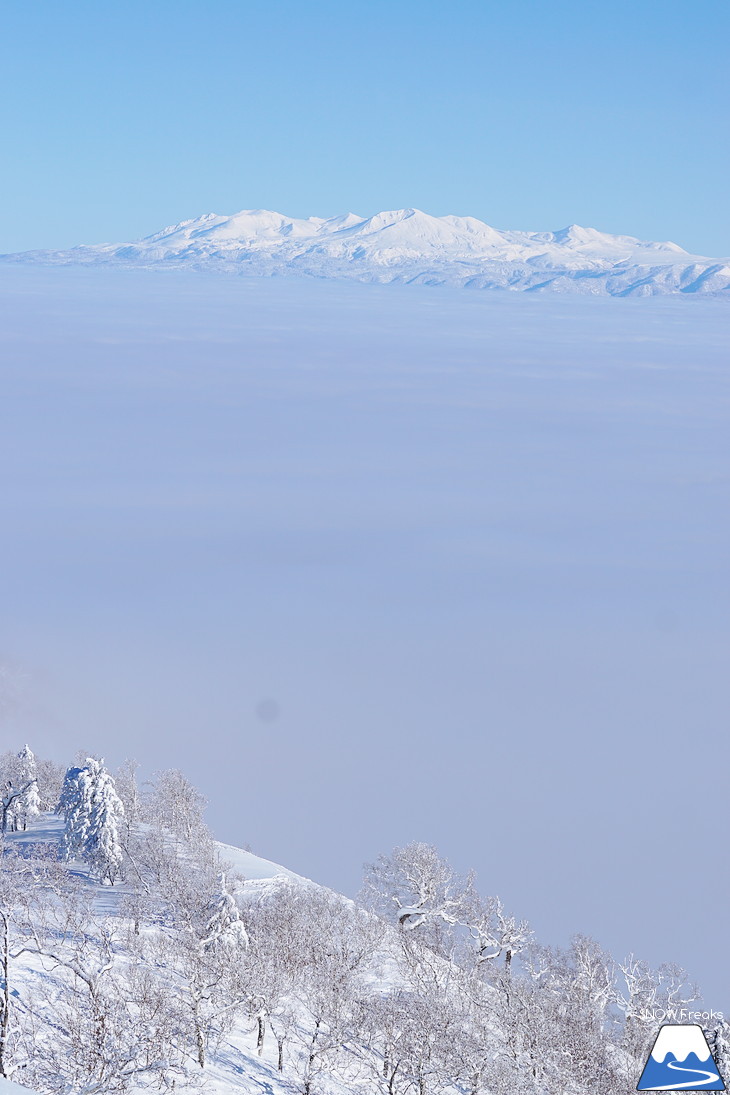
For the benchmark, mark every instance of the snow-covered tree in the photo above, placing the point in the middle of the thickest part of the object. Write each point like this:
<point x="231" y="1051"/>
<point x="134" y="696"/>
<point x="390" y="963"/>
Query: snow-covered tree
<point x="719" y="1038"/>
<point x="102" y="848"/>
<point x="416" y="887"/>
<point x="28" y="804"/>
<point x="204" y="942"/>
<point x="112" y="1021"/>
<point x="75" y="805"/>
<point x="224" y="927"/>
<point x="92" y="810"/>
<point x="128" y="790"/>
<point x="273" y="962"/>
<point x="645" y="992"/>
<point x="334" y="945"/>
<point x="49" y="778"/>
<point x="12" y="921"/>
<point x="28" y="807"/>
<point x="493" y="932"/>
<point x="412" y="1042"/>
<point x="175" y="805"/>
<point x="10" y="802"/>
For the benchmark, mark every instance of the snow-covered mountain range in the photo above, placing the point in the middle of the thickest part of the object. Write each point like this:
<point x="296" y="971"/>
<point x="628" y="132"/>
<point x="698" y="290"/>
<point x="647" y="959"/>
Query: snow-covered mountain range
<point x="409" y="246"/>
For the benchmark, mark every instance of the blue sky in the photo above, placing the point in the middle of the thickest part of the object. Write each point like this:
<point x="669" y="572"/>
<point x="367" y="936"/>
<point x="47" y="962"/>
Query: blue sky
<point x="120" y="118"/>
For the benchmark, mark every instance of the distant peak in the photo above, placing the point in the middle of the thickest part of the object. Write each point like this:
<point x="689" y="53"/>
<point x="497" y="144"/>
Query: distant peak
<point x="411" y="245"/>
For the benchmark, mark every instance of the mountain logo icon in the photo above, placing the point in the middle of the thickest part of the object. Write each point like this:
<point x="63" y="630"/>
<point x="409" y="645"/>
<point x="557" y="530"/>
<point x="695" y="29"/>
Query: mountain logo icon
<point x="680" y="1060"/>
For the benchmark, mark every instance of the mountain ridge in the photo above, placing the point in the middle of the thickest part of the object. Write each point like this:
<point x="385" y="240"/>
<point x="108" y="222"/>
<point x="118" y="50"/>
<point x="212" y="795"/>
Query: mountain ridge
<point x="411" y="246"/>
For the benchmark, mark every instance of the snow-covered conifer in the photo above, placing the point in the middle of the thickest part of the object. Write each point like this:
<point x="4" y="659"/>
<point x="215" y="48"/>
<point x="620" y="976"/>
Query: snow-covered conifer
<point x="92" y="809"/>
<point x="102" y="848"/>
<point x="75" y="805"/>
<point x="224" y="927"/>
<point x="27" y="805"/>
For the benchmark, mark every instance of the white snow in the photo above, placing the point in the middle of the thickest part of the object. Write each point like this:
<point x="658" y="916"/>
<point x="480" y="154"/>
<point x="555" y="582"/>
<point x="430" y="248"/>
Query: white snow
<point x="253" y="866"/>
<point x="408" y="245"/>
<point x="234" y="1066"/>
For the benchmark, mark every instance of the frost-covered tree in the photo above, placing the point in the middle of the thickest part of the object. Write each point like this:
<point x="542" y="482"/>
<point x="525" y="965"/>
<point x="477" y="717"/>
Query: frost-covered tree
<point x="75" y="804"/>
<point x="204" y="943"/>
<point x="572" y="993"/>
<point x="493" y="932"/>
<point x="274" y="960"/>
<point x="416" y="888"/>
<point x="719" y="1038"/>
<point x="175" y="805"/>
<point x="334" y="944"/>
<point x="92" y="810"/>
<point x="111" y="1021"/>
<point x="413" y="1042"/>
<point x="19" y="799"/>
<point x="49" y="780"/>
<point x="643" y="993"/>
<point x="128" y="790"/>
<point x="28" y="804"/>
<point x="13" y="933"/>
<point x="102" y="848"/>
<point x="10" y="802"/>
<point x="29" y="886"/>
<point x="224" y="927"/>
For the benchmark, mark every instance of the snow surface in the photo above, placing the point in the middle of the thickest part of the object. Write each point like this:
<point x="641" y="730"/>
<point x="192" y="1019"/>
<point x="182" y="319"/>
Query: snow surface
<point x="252" y="866"/>
<point x="234" y="1067"/>
<point x="408" y="245"/>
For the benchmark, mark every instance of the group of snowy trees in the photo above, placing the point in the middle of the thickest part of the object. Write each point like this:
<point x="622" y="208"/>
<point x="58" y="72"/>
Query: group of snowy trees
<point x="424" y="987"/>
<point x="21" y="799"/>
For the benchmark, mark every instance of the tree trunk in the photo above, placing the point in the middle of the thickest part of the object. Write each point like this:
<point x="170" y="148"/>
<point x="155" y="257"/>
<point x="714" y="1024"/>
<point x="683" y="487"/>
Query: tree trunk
<point x="280" y="1047"/>
<point x="199" y="1039"/>
<point x="260" y="1019"/>
<point x="5" y="1022"/>
<point x="391" y="1081"/>
<point x="310" y="1062"/>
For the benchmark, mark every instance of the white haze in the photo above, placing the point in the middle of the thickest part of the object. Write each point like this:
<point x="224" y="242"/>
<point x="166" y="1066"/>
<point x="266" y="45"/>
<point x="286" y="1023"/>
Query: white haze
<point x="374" y="564"/>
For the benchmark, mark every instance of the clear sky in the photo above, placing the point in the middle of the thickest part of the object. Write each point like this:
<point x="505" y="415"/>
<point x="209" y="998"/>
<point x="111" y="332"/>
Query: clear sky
<point x="119" y="118"/>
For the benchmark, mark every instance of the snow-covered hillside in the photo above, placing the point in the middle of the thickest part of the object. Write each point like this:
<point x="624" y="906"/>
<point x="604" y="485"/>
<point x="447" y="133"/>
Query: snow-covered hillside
<point x="137" y="954"/>
<point x="7" y="1087"/>
<point x="407" y="245"/>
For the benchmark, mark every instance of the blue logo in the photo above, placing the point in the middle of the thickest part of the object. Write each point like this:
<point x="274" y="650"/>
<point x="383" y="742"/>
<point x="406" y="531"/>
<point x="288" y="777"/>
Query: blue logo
<point x="680" y="1060"/>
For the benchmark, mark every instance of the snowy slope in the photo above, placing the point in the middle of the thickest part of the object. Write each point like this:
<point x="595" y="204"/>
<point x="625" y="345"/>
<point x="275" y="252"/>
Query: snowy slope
<point x="252" y="866"/>
<point x="408" y="245"/>
<point x="234" y="1067"/>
